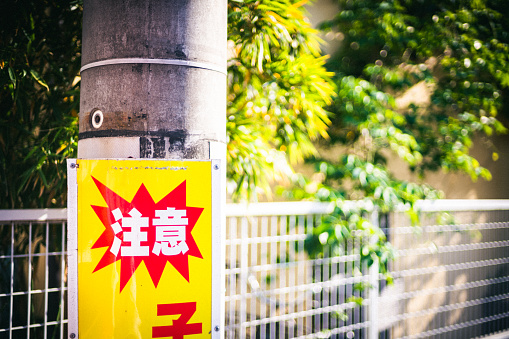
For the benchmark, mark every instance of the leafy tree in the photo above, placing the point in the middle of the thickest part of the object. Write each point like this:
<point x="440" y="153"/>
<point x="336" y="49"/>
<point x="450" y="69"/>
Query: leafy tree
<point x="458" y="51"/>
<point x="39" y="62"/>
<point x="277" y="88"/>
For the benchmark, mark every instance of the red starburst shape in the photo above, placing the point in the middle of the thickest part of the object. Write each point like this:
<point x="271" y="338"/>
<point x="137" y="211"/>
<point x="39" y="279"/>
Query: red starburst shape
<point x="143" y="230"/>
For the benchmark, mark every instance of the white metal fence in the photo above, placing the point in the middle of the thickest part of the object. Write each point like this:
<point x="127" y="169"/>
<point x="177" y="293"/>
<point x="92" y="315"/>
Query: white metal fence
<point x="451" y="278"/>
<point x="32" y="273"/>
<point x="452" y="273"/>
<point x="273" y="290"/>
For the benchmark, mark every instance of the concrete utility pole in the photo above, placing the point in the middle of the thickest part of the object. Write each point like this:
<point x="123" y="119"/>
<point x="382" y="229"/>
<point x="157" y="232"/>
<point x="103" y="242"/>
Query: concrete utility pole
<point x="153" y="79"/>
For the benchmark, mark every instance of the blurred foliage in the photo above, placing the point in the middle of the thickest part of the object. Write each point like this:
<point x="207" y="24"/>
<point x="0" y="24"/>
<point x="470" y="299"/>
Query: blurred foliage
<point x="456" y="54"/>
<point x="277" y="88"/>
<point x="457" y="49"/>
<point x="39" y="96"/>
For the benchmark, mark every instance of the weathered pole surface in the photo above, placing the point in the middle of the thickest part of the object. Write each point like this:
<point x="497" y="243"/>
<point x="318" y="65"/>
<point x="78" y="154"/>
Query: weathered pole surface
<point x="153" y="79"/>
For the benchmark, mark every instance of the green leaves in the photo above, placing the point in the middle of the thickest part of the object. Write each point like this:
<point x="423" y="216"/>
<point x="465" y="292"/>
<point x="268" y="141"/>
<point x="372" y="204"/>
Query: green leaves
<point x="38" y="101"/>
<point x="38" y="78"/>
<point x="418" y="81"/>
<point x="277" y="89"/>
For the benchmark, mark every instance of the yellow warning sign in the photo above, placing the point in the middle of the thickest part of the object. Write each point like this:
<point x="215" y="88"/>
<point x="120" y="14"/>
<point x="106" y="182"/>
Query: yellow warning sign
<point x="144" y="256"/>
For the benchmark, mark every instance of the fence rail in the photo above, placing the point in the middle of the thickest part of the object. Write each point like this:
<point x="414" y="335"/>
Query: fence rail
<point x="451" y="277"/>
<point x="32" y="274"/>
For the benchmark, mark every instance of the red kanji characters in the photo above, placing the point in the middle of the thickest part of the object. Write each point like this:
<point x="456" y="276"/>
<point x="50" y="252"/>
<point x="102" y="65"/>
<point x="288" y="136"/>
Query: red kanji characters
<point x="179" y="327"/>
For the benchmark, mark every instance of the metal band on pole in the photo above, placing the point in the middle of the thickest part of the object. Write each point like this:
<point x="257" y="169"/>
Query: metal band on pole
<point x="176" y="62"/>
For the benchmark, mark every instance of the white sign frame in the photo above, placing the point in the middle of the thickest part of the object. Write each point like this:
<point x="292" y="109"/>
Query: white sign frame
<point x="218" y="245"/>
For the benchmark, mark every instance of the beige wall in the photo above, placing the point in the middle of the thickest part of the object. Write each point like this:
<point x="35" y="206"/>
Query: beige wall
<point x="320" y="11"/>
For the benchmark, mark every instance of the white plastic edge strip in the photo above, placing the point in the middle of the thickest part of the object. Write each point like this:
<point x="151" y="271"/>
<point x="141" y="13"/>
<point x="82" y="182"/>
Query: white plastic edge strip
<point x="176" y="62"/>
<point x="72" y="248"/>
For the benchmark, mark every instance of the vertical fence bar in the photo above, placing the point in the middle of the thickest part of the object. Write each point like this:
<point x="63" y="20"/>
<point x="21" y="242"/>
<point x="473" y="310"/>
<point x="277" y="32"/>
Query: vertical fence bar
<point x="61" y="311"/>
<point x="29" y="283"/>
<point x="325" y="298"/>
<point x="232" y="277"/>
<point x="252" y="283"/>
<point x="292" y="296"/>
<point x="243" y="275"/>
<point x="334" y="297"/>
<point x="355" y="292"/>
<point x="11" y="305"/>
<point x="46" y="281"/>
<point x="318" y="291"/>
<point x="373" y="300"/>
<point x="310" y="222"/>
<point x="373" y="289"/>
<point x="300" y="275"/>
<point x="273" y="273"/>
<point x="282" y="271"/>
<point x="263" y="279"/>
<point x="342" y="292"/>
<point x="349" y="269"/>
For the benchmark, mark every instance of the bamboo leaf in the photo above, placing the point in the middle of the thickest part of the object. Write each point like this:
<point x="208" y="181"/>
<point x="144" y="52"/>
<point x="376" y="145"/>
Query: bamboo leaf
<point x="39" y="79"/>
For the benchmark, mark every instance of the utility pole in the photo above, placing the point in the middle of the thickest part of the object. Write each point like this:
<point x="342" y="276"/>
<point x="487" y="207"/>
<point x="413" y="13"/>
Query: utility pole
<point x="153" y="79"/>
<point x="153" y="86"/>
